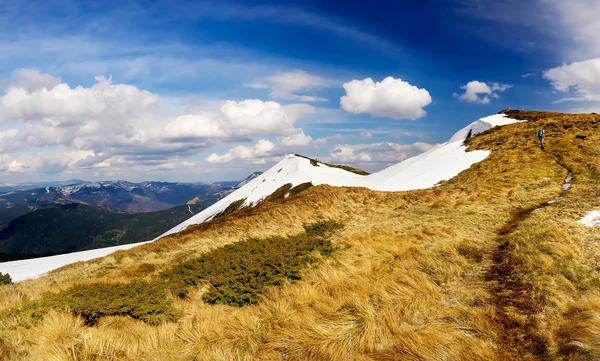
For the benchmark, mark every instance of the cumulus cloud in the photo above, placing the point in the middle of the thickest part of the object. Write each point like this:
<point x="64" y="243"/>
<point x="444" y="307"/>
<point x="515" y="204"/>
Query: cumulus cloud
<point x="581" y="78"/>
<point x="377" y="154"/>
<point x="391" y="98"/>
<point x="121" y="126"/>
<point x="265" y="150"/>
<point x="255" y="153"/>
<point x="365" y="135"/>
<point x="480" y="92"/>
<point x="30" y="80"/>
<point x="286" y="85"/>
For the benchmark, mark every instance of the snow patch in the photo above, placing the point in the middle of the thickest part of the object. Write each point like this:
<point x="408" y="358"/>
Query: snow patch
<point x="36" y="267"/>
<point x="482" y="125"/>
<point x="591" y="219"/>
<point x="423" y="171"/>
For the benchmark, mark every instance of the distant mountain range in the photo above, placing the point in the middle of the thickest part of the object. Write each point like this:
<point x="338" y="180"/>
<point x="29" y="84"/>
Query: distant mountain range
<point x="122" y="195"/>
<point x="78" y="227"/>
<point x="75" y="215"/>
<point x="8" y="186"/>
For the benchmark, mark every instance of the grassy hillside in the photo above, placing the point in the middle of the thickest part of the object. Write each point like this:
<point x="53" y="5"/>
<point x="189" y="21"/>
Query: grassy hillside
<point x="77" y="227"/>
<point x="468" y="270"/>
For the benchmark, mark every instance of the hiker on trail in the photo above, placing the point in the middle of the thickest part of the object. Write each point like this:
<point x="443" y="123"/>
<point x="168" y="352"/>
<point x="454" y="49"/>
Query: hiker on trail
<point x="540" y="135"/>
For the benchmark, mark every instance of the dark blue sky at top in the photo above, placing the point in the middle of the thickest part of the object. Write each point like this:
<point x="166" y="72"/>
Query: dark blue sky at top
<point x="207" y="50"/>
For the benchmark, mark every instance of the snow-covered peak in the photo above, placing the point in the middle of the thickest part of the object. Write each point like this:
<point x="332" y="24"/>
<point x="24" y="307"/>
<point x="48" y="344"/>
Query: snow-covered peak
<point x="481" y="125"/>
<point x="248" y="179"/>
<point x="423" y="171"/>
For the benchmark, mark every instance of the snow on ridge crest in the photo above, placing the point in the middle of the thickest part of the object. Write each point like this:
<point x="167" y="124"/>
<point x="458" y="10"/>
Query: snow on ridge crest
<point x="423" y="171"/>
<point x="481" y="125"/>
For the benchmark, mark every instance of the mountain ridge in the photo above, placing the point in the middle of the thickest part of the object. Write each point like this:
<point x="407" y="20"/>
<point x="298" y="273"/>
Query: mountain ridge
<point x="476" y="268"/>
<point x="422" y="171"/>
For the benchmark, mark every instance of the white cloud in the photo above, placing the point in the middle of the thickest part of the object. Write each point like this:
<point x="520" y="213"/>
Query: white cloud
<point x="256" y="85"/>
<point x="567" y="28"/>
<point x="266" y="151"/>
<point x="378" y="155"/>
<point x="578" y="24"/>
<point x="297" y="140"/>
<point x="254" y="154"/>
<point x="365" y="135"/>
<point x="103" y="101"/>
<point x="30" y="80"/>
<point x="480" y="92"/>
<point x="391" y="98"/>
<point x="583" y="78"/>
<point x="122" y="127"/>
<point x="285" y="85"/>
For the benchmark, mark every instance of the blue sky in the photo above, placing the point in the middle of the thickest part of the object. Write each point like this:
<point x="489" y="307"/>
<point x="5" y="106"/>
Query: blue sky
<point x="213" y="90"/>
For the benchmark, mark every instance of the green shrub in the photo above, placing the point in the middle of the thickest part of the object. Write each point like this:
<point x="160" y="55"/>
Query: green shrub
<point x="322" y="228"/>
<point x="237" y="275"/>
<point x="5" y="279"/>
<point x="316" y="162"/>
<point x="300" y="188"/>
<point x="234" y="206"/>
<point x="279" y="193"/>
<point x="140" y="300"/>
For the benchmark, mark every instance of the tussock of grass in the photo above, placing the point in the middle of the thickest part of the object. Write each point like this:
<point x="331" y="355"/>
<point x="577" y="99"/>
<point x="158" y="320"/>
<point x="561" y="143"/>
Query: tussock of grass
<point x="237" y="275"/>
<point x="462" y="271"/>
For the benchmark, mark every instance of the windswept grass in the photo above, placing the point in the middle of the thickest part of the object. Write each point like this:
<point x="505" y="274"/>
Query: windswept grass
<point x="236" y="275"/>
<point x="462" y="271"/>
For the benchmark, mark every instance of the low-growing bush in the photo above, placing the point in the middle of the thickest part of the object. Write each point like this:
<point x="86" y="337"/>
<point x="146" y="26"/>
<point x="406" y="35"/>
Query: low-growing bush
<point x="234" y="206"/>
<point x="5" y="278"/>
<point x="279" y="193"/>
<point x="237" y="274"/>
<point x="140" y="300"/>
<point x="300" y="188"/>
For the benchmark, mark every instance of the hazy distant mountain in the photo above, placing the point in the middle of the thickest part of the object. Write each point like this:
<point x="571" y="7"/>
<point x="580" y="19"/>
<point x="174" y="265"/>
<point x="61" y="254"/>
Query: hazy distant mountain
<point x="248" y="179"/>
<point x="76" y="227"/>
<point x="8" y="186"/>
<point x="122" y="195"/>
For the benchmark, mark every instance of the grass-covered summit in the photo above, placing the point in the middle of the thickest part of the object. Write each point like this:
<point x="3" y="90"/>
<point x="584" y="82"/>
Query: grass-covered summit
<point x="477" y="268"/>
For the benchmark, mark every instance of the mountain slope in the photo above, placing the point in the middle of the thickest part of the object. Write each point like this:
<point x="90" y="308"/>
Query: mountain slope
<point x="481" y="267"/>
<point x="9" y="187"/>
<point x="423" y="171"/>
<point x="123" y="195"/>
<point x="77" y="227"/>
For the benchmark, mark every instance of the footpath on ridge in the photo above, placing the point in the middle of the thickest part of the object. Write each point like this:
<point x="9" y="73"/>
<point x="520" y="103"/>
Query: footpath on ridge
<point x="515" y="303"/>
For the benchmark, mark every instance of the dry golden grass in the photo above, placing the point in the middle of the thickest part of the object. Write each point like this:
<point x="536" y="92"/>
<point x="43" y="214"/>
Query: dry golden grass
<point x="463" y="271"/>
